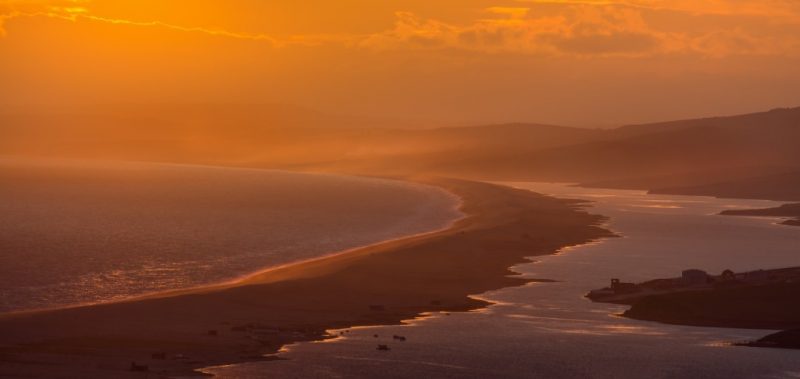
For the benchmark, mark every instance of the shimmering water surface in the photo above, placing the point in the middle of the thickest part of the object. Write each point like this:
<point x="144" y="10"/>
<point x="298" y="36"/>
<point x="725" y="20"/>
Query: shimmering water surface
<point x="548" y="330"/>
<point x="74" y="232"/>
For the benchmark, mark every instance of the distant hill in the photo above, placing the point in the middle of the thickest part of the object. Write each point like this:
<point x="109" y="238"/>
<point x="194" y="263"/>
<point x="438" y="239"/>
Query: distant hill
<point x="784" y="187"/>
<point x="753" y="155"/>
<point x="674" y="149"/>
<point x="785" y="117"/>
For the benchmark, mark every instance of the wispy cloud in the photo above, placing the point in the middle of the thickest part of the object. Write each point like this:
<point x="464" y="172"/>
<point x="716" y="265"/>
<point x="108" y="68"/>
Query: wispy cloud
<point x="628" y="28"/>
<point x="610" y="28"/>
<point x="191" y="29"/>
<point x="772" y="8"/>
<point x="70" y="11"/>
<point x="588" y="32"/>
<point x="80" y="10"/>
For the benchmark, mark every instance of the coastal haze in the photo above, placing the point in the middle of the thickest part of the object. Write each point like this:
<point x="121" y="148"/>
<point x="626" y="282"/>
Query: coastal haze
<point x="399" y="188"/>
<point x="750" y="155"/>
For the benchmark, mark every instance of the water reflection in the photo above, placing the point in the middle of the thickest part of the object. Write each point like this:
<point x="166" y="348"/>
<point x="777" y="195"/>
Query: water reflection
<point x="549" y="330"/>
<point x="77" y="231"/>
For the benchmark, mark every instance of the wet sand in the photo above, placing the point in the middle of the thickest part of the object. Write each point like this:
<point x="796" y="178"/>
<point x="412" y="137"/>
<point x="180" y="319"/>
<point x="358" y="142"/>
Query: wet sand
<point x="378" y="285"/>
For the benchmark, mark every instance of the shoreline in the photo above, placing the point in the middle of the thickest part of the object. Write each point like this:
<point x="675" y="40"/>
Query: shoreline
<point x="449" y="215"/>
<point x="381" y="284"/>
<point x="717" y="302"/>
<point x="788" y="214"/>
<point x="245" y="279"/>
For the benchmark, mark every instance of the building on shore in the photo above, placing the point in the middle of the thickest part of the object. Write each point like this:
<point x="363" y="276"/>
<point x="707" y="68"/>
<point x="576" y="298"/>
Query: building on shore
<point x="694" y="277"/>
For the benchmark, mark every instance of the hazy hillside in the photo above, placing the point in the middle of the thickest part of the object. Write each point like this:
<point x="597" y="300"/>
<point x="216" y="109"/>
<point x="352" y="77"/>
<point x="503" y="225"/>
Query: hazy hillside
<point x="784" y="187"/>
<point x="754" y="156"/>
<point x="781" y="117"/>
<point x="732" y="155"/>
<point x="259" y="135"/>
<point x="678" y="150"/>
<point x="199" y="132"/>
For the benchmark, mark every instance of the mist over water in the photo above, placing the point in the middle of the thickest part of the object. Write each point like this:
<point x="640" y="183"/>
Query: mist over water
<point x="549" y="330"/>
<point x="74" y="232"/>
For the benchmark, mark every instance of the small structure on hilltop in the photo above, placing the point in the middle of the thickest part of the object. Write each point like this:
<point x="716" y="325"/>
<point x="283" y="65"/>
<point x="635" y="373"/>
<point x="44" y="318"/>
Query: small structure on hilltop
<point x="617" y="288"/>
<point x="728" y="275"/>
<point x="695" y="277"/>
<point x="692" y="280"/>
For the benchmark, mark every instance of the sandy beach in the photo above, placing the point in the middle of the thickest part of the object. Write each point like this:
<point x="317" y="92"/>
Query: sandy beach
<point x="243" y="321"/>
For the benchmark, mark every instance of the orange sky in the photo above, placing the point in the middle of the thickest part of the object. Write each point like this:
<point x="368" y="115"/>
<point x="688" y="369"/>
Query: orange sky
<point x="561" y="61"/>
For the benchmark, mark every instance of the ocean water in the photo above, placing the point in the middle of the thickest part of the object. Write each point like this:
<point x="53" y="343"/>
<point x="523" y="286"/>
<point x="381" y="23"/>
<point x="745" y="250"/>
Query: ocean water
<point x="75" y="232"/>
<point x="549" y="330"/>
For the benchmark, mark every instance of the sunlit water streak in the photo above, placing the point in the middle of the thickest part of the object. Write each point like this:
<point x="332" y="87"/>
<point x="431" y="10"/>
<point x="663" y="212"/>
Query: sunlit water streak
<point x="548" y="330"/>
<point x="74" y="232"/>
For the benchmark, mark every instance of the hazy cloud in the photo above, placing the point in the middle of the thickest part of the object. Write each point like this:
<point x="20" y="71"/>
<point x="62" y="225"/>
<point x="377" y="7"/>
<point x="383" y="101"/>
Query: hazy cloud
<point x="627" y="28"/>
<point x="610" y="28"/>
<point x="74" y="10"/>
<point x="615" y="43"/>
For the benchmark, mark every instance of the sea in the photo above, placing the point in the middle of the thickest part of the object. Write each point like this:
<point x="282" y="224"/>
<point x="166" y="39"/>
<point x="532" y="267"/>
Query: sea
<point x="76" y="232"/>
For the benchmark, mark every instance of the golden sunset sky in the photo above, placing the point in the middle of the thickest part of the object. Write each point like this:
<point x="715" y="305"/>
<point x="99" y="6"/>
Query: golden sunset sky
<point x="579" y="62"/>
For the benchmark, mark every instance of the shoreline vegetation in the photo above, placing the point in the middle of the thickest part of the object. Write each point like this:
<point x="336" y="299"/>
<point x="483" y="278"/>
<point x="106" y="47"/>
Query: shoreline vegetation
<point x="383" y="284"/>
<point x="762" y="299"/>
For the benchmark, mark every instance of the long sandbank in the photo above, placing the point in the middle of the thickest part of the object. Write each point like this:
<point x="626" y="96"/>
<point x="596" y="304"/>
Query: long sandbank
<point x="377" y="285"/>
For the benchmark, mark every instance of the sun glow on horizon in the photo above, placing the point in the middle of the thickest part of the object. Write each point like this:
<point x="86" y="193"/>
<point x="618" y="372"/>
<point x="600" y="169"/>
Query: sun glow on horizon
<point x="296" y="53"/>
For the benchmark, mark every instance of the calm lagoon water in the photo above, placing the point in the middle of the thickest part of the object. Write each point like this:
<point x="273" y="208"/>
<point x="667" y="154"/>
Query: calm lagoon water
<point x="548" y="330"/>
<point x="75" y="232"/>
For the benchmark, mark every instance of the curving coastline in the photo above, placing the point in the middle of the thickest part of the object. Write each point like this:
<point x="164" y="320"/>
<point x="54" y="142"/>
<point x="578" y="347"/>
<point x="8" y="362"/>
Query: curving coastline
<point x="78" y="233"/>
<point x="380" y="284"/>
